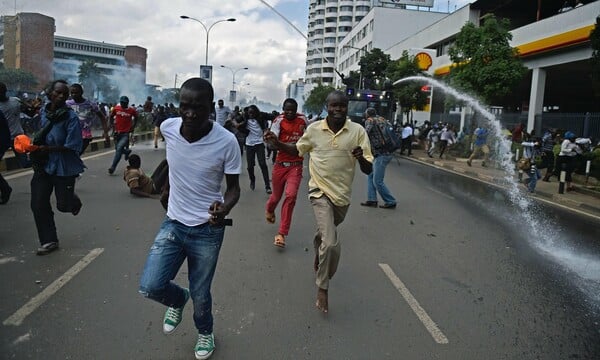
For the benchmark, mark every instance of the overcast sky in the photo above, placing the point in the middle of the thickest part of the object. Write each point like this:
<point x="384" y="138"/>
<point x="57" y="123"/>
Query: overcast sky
<point x="260" y="40"/>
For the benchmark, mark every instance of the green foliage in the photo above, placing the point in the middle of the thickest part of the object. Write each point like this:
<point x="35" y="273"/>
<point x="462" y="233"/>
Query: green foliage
<point x="316" y="101"/>
<point x="485" y="64"/>
<point x="94" y="82"/>
<point x="352" y="80"/>
<point x="595" y="43"/>
<point x="373" y="67"/>
<point x="409" y="94"/>
<point x="18" y="79"/>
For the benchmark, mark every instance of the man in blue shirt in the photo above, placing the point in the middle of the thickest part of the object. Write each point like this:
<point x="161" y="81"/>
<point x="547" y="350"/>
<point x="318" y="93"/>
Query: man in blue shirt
<point x="56" y="164"/>
<point x="480" y="145"/>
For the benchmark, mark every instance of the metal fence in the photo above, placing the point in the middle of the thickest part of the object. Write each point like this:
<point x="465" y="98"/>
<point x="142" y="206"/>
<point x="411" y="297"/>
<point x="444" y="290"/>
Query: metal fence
<point x="582" y="124"/>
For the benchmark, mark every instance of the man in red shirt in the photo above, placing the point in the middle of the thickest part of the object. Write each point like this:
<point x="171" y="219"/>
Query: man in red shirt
<point x="124" y="119"/>
<point x="287" y="171"/>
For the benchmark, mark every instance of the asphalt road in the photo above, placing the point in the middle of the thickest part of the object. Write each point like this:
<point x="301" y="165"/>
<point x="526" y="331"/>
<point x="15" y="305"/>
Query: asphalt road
<point x="452" y="273"/>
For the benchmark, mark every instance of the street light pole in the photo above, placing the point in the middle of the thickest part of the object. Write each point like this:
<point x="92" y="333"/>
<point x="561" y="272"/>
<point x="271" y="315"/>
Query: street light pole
<point x="207" y="30"/>
<point x="233" y="72"/>
<point x="360" y="85"/>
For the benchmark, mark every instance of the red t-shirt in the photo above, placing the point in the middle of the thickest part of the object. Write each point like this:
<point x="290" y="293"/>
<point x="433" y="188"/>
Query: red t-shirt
<point x="289" y="131"/>
<point x="123" y="118"/>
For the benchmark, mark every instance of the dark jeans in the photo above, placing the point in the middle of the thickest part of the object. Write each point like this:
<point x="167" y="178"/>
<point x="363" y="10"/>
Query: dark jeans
<point x="4" y="187"/>
<point x="42" y="185"/>
<point x="121" y="147"/>
<point x="86" y="143"/>
<point x="174" y="243"/>
<point x="406" y="144"/>
<point x="257" y="151"/>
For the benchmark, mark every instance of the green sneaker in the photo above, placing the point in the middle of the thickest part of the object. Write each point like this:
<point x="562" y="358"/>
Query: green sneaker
<point x="205" y="346"/>
<point x="173" y="316"/>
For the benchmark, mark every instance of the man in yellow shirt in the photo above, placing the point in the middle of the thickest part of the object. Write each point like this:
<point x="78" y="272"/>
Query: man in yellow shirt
<point x="335" y="145"/>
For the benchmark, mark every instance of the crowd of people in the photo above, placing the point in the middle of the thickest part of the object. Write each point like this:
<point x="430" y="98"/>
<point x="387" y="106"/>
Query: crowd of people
<point x="204" y="146"/>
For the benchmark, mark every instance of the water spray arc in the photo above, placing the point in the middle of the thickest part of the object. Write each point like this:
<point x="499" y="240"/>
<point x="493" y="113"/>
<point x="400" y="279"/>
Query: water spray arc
<point x="544" y="236"/>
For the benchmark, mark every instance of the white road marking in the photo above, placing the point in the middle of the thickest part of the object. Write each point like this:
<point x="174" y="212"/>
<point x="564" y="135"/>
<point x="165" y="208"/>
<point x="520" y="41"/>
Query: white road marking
<point x="20" y="315"/>
<point x="440" y="193"/>
<point x="429" y="324"/>
<point x="7" y="260"/>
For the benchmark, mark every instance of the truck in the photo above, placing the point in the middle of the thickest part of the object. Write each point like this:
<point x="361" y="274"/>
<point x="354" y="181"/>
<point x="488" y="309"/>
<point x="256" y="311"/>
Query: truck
<point x="361" y="99"/>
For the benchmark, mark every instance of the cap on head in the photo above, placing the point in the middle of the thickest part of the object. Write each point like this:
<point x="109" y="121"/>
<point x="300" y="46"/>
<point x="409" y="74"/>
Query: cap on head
<point x="371" y="112"/>
<point x="569" y="135"/>
<point x="124" y="99"/>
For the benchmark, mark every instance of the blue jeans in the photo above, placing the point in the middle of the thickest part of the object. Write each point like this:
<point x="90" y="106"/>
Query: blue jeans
<point x="121" y="147"/>
<point x="173" y="244"/>
<point x="375" y="182"/>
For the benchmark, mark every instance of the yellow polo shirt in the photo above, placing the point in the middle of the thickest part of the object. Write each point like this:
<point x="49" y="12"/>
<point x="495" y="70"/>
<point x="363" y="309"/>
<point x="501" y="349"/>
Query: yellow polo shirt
<point x="331" y="163"/>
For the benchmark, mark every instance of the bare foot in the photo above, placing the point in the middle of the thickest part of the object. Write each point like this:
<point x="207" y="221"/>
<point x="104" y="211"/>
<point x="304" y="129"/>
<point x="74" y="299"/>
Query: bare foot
<point x="316" y="263"/>
<point x="322" y="300"/>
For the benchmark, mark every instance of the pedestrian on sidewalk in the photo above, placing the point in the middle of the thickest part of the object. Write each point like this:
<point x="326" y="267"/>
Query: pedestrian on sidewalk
<point x="287" y="170"/>
<point x="56" y="163"/>
<point x="433" y="138"/>
<point x="200" y="154"/>
<point x="447" y="138"/>
<point x="566" y="158"/>
<point x="375" y="128"/>
<point x="531" y="151"/>
<point x="407" y="135"/>
<point x="124" y="119"/>
<point x="548" y="142"/>
<point x="335" y="145"/>
<point x="480" y="146"/>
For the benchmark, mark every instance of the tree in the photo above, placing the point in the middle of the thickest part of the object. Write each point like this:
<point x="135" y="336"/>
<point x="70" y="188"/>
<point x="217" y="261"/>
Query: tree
<point x="372" y="67"/>
<point x="595" y="43"/>
<point x="352" y="80"/>
<point x="408" y="95"/>
<point x="17" y="79"/>
<point x="485" y="64"/>
<point x="317" y="99"/>
<point x="91" y="78"/>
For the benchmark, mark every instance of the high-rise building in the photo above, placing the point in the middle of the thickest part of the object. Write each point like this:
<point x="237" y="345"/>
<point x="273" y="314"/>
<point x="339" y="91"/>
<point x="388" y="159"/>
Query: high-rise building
<point x="295" y="90"/>
<point x="329" y="21"/>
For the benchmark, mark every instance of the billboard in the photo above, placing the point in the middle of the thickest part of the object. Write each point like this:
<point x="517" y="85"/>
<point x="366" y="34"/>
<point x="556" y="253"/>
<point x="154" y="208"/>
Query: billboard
<point x="206" y="72"/>
<point x="232" y="96"/>
<point x="425" y="3"/>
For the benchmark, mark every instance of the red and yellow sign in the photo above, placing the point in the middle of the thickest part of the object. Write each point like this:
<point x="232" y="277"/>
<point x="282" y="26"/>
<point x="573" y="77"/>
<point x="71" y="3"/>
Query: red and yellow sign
<point x="424" y="61"/>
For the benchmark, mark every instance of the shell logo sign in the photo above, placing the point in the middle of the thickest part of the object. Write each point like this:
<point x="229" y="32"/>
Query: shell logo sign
<point x="424" y="60"/>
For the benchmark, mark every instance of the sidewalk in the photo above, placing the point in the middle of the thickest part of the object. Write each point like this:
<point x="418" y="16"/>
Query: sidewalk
<point x="581" y="199"/>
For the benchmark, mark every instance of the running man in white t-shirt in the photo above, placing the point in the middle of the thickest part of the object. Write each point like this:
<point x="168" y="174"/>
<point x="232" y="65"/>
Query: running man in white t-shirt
<point x="199" y="154"/>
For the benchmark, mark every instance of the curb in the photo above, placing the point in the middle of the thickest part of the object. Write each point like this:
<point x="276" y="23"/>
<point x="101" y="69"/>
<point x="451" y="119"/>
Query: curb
<point x="10" y="163"/>
<point x="499" y="181"/>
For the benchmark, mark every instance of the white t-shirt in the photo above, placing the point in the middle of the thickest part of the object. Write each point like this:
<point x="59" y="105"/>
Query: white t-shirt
<point x="255" y="133"/>
<point x="221" y="114"/>
<point x="196" y="170"/>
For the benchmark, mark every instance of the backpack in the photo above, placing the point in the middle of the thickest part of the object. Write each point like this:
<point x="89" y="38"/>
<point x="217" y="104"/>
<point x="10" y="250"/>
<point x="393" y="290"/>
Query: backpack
<point x="391" y="141"/>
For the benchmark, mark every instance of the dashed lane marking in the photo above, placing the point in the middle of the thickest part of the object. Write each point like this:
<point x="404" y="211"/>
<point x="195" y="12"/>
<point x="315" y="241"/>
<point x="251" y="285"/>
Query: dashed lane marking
<point x="429" y="324"/>
<point x="17" y="318"/>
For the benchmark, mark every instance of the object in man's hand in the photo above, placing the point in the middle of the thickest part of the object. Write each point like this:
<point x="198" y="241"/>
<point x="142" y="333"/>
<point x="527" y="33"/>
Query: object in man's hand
<point x="22" y="144"/>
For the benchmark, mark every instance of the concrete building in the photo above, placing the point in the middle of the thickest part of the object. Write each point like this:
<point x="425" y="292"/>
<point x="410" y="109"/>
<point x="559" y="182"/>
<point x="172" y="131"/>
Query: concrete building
<point x="329" y="21"/>
<point x="295" y="90"/>
<point x="554" y="46"/>
<point x="28" y="42"/>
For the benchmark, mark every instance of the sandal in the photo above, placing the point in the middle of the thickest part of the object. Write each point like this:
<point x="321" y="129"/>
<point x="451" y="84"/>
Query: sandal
<point x="279" y="241"/>
<point x="270" y="217"/>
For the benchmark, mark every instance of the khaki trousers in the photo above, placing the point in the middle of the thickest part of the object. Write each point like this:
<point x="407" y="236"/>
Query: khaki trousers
<point x="327" y="246"/>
